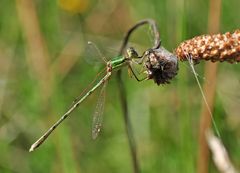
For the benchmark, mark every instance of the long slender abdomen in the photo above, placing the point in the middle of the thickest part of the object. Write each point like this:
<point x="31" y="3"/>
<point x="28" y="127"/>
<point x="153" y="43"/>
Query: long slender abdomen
<point x="218" y="47"/>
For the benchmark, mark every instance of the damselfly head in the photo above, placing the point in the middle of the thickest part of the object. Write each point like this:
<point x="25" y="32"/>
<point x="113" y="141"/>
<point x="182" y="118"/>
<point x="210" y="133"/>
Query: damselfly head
<point x="161" y="65"/>
<point x="132" y="53"/>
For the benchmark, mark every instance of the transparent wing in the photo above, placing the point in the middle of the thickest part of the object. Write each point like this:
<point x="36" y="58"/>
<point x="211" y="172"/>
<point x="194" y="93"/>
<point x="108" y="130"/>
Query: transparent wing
<point x="151" y="36"/>
<point x="98" y="114"/>
<point x="93" y="55"/>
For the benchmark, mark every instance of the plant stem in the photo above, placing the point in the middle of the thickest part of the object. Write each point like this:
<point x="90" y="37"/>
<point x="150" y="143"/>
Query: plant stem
<point x="209" y="90"/>
<point x="122" y="90"/>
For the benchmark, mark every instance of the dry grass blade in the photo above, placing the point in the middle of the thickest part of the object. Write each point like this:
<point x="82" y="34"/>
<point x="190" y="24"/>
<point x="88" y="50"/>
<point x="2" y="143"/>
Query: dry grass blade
<point x="37" y="53"/>
<point x="220" y="155"/>
<point x="218" y="47"/>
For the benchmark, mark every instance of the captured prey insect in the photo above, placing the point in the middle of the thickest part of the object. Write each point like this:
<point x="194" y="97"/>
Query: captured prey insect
<point x="112" y="65"/>
<point x="161" y="65"/>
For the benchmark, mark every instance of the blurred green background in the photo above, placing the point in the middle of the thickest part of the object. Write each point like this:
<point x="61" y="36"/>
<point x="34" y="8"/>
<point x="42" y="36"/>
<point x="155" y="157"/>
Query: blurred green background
<point x="43" y="68"/>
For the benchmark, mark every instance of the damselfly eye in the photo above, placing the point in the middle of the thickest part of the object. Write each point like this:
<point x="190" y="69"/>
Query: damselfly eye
<point x="132" y="53"/>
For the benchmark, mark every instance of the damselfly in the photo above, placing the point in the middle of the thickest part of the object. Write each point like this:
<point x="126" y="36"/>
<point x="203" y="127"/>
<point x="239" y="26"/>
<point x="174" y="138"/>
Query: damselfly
<point x="112" y="65"/>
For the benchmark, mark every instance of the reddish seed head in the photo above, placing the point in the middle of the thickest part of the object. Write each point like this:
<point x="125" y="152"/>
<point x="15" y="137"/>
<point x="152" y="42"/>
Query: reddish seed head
<point x="218" y="47"/>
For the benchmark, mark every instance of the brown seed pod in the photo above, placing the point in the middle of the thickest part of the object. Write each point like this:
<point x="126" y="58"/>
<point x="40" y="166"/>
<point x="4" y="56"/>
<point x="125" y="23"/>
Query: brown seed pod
<point x="218" y="47"/>
<point x="161" y="65"/>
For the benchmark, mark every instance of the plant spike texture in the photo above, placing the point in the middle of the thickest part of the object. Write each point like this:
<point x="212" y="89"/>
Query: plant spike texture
<point x="217" y="47"/>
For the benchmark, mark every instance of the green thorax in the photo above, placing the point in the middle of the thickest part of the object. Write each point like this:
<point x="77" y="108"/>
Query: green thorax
<point x="118" y="62"/>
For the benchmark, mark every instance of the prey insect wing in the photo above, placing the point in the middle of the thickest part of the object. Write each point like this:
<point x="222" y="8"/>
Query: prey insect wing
<point x="98" y="113"/>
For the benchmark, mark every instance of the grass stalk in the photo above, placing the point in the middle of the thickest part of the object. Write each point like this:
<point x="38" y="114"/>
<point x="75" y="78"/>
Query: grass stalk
<point x="209" y="90"/>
